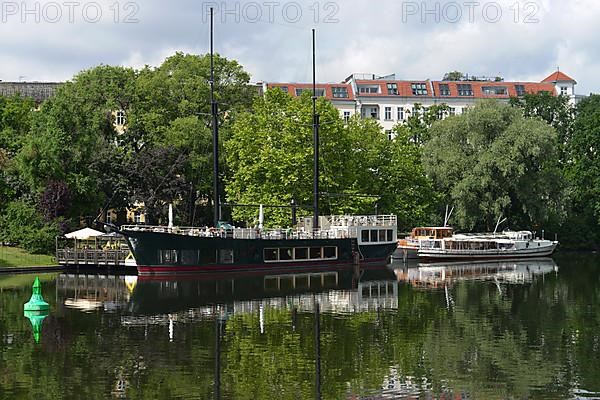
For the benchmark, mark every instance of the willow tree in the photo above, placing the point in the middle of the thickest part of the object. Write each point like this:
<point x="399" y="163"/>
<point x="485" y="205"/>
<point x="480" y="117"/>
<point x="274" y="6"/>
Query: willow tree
<point x="492" y="161"/>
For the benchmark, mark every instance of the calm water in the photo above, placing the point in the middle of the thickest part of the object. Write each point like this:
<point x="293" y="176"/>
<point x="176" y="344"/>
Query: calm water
<point x="484" y="331"/>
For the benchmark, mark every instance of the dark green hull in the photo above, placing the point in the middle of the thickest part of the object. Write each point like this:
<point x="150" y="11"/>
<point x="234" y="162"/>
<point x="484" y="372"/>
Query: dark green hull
<point x="164" y="253"/>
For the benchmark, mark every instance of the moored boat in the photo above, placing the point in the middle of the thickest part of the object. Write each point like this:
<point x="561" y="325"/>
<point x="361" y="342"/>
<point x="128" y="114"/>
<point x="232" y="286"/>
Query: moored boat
<point x="408" y="248"/>
<point x="339" y="240"/>
<point x="508" y="244"/>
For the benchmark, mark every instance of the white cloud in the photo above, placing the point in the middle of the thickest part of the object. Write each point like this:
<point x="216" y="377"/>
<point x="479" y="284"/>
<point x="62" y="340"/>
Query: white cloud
<point x="368" y="37"/>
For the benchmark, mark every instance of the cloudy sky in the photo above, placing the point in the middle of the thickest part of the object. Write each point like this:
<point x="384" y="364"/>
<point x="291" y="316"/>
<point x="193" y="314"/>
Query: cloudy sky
<point x="519" y="40"/>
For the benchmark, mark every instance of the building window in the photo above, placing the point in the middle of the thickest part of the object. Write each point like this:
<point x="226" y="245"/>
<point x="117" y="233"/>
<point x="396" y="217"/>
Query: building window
<point x="494" y="90"/>
<point x="346" y="117"/>
<point x="465" y="89"/>
<point x="388" y="113"/>
<point x="520" y="90"/>
<point x="400" y="113"/>
<point x="419" y="89"/>
<point x="339" y="92"/>
<point x="109" y="217"/>
<point x="392" y="88"/>
<point x="368" y="89"/>
<point x="319" y="92"/>
<point x="444" y="89"/>
<point x="137" y="217"/>
<point x="563" y="90"/>
<point x="120" y="119"/>
<point x="283" y="88"/>
<point x="452" y="111"/>
<point x="389" y="134"/>
<point x="370" y="112"/>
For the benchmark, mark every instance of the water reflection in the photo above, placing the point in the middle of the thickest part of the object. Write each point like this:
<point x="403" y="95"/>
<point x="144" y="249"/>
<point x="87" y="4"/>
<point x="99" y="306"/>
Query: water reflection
<point x="524" y="329"/>
<point x="434" y="275"/>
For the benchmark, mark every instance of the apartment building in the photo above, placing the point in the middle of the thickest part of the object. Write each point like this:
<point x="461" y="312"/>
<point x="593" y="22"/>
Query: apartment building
<point x="392" y="101"/>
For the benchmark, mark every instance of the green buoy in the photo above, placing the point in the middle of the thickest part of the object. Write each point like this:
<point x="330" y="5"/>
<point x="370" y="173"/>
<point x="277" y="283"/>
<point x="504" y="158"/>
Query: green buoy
<point x="36" y="309"/>
<point x="36" y="318"/>
<point x="36" y="303"/>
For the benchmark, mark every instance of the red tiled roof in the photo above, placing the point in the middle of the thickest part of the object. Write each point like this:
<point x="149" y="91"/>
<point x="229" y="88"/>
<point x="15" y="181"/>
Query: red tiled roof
<point x="559" y="77"/>
<point x="291" y="89"/>
<point x="478" y="92"/>
<point x="404" y="88"/>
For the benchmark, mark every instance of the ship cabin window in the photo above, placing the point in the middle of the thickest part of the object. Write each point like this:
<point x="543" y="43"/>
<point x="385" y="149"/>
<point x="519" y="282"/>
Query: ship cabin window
<point x="286" y="254"/>
<point x="374" y="235"/>
<point x="189" y="257"/>
<point x="301" y="253"/>
<point x="377" y="235"/>
<point x="168" y="257"/>
<point x="271" y="254"/>
<point x="226" y="256"/>
<point x="208" y="257"/>
<point x="330" y="252"/>
<point x="365" y="236"/>
<point x="315" y="253"/>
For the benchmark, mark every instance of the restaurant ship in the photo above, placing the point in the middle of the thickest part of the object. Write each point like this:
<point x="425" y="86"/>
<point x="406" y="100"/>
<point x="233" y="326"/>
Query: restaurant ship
<point x="319" y="241"/>
<point x="508" y="244"/>
<point x="340" y="240"/>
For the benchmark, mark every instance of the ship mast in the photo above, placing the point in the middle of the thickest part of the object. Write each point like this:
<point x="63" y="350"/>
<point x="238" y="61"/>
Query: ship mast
<point x="215" y="129"/>
<point x="315" y="143"/>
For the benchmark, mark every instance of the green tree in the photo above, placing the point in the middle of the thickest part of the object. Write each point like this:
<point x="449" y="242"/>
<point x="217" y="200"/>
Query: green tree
<point x="485" y="165"/>
<point x="453" y="76"/>
<point x="15" y="121"/>
<point x="555" y="110"/>
<point x="271" y="158"/>
<point x="584" y="170"/>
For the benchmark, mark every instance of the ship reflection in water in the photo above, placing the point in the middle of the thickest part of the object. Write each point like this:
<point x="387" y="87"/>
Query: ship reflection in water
<point x="339" y="290"/>
<point x="447" y="273"/>
<point x="323" y="294"/>
<point x="336" y="289"/>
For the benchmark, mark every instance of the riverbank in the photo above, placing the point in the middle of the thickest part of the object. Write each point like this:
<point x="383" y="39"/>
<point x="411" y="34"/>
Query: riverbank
<point x="13" y="259"/>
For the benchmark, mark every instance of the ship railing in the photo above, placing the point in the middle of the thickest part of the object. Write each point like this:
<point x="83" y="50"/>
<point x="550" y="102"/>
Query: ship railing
<point x="362" y="220"/>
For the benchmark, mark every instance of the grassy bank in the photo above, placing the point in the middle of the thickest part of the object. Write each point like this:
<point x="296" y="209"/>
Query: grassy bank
<point x="12" y="257"/>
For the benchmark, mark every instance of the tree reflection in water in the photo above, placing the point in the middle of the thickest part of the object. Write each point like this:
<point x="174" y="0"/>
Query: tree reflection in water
<point x="379" y="334"/>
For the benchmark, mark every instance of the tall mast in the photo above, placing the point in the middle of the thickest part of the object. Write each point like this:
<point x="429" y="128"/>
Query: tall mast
<point x="215" y="128"/>
<point x="315" y="143"/>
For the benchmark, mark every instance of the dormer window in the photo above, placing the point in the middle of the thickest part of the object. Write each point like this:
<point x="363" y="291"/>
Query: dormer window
<point x="392" y="88"/>
<point x="319" y="92"/>
<point x="368" y="89"/>
<point x="419" y="89"/>
<point x="444" y="89"/>
<point x="339" y="92"/>
<point x="564" y="90"/>
<point x="465" y="89"/>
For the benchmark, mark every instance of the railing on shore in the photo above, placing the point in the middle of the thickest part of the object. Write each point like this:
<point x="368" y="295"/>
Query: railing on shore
<point x="104" y="250"/>
<point x="93" y="257"/>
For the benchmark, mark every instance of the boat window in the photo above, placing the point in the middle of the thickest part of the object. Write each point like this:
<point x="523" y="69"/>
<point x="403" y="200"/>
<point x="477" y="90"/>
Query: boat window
<point x="189" y="257"/>
<point x="208" y="257"/>
<point x="374" y="235"/>
<point x="329" y="252"/>
<point x="286" y="254"/>
<point x="301" y="253"/>
<point x="271" y="254"/>
<point x="315" y="252"/>
<point x="226" y="256"/>
<point x="365" y="236"/>
<point x="382" y="235"/>
<point x="390" y="235"/>
<point x="169" y="257"/>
